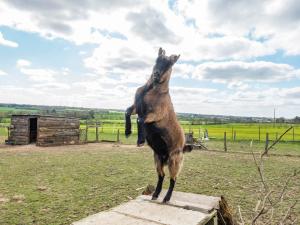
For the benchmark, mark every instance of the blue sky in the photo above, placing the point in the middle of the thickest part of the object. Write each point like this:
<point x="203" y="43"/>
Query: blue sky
<point x="236" y="58"/>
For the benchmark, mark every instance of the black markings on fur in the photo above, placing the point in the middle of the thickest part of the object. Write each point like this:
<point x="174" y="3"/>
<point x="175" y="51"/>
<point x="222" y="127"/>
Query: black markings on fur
<point x="154" y="137"/>
<point x="158" y="187"/>
<point x="128" y="121"/>
<point x="141" y="132"/>
<point x="170" y="190"/>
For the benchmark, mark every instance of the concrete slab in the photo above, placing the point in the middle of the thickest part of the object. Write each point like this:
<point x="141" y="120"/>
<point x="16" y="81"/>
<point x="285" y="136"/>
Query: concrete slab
<point x="196" y="202"/>
<point x="112" y="218"/>
<point x="159" y="213"/>
<point x="184" y="208"/>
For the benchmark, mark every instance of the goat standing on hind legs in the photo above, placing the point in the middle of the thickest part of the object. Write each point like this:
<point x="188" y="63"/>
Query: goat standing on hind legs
<point x="160" y="126"/>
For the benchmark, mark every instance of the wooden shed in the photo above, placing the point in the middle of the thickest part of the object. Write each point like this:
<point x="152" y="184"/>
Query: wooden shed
<point x="44" y="130"/>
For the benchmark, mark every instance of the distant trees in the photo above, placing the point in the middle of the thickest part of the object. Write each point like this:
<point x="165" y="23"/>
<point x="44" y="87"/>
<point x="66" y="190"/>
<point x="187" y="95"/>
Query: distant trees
<point x="92" y="114"/>
<point x="296" y="119"/>
<point x="280" y="120"/>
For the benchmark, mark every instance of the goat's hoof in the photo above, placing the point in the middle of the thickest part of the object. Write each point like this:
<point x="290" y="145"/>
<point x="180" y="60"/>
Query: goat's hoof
<point x="154" y="198"/>
<point x="166" y="200"/>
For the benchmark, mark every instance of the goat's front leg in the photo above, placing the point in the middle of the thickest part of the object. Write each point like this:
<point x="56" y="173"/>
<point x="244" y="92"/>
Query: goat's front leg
<point x="129" y="111"/>
<point x="174" y="164"/>
<point x="141" y="132"/>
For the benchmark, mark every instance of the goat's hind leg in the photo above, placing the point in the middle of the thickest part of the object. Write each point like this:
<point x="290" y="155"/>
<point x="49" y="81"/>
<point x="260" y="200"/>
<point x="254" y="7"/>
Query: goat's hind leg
<point x="161" y="175"/>
<point x="174" y="164"/>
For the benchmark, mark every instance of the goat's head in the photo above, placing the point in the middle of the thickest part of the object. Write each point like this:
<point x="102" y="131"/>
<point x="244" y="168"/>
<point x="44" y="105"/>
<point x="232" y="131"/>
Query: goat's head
<point x="163" y="66"/>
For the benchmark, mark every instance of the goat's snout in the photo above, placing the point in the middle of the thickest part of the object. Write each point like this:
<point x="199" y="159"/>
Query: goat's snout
<point x="156" y="75"/>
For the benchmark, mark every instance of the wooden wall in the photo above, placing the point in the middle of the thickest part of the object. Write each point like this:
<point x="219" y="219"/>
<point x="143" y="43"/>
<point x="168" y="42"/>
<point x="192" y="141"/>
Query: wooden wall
<point x="57" y="131"/>
<point x="19" y="133"/>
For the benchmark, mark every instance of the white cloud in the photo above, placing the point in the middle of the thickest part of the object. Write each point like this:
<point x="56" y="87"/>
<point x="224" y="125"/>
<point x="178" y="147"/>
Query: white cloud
<point x="7" y="43"/>
<point x="40" y="74"/>
<point x="265" y="21"/>
<point x="219" y="41"/>
<point x="2" y="73"/>
<point x="233" y="71"/>
<point x="23" y="63"/>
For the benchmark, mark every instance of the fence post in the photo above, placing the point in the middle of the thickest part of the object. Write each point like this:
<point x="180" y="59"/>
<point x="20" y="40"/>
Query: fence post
<point x="234" y="136"/>
<point x="259" y="133"/>
<point x="225" y="142"/>
<point x="276" y="135"/>
<point x="231" y="133"/>
<point x="293" y="134"/>
<point x="86" y="131"/>
<point x="199" y="133"/>
<point x="8" y="132"/>
<point x="118" y="136"/>
<point x="97" y="132"/>
<point x="267" y="141"/>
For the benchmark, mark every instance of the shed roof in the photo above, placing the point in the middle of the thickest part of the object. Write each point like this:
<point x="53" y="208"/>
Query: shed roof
<point x="36" y="115"/>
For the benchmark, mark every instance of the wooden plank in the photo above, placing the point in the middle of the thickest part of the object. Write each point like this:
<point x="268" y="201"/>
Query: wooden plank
<point x="58" y="124"/>
<point x="20" y="140"/>
<point x="20" y="130"/>
<point x="53" y="120"/>
<point x="52" y="129"/>
<point x="19" y="123"/>
<point x="54" y="141"/>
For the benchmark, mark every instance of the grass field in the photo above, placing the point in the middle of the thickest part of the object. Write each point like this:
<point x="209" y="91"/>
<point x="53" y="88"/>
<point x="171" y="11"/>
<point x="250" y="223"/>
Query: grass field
<point x="243" y="131"/>
<point x="58" y="185"/>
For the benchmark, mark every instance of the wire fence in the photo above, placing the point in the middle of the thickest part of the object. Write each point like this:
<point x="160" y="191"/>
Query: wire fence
<point x="111" y="131"/>
<point x="237" y="135"/>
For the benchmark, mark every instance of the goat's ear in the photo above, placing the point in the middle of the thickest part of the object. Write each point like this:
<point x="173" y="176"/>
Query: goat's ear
<point x="174" y="58"/>
<point x="161" y="52"/>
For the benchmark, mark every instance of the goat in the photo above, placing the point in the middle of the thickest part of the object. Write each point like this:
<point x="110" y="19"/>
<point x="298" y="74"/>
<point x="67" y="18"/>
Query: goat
<point x="158" y="123"/>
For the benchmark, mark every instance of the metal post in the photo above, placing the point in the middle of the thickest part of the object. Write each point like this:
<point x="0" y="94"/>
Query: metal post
<point x="293" y="133"/>
<point x="97" y="132"/>
<point x="267" y="141"/>
<point x="118" y="136"/>
<point x="8" y="132"/>
<point x="259" y="133"/>
<point x="234" y="136"/>
<point x="86" y="131"/>
<point x="225" y="142"/>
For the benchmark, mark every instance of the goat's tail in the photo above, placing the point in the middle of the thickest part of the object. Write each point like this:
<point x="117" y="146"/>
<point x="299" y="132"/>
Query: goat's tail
<point x="128" y="122"/>
<point x="187" y="148"/>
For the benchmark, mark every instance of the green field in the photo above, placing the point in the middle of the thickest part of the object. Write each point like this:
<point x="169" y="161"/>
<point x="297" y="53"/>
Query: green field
<point x="59" y="185"/>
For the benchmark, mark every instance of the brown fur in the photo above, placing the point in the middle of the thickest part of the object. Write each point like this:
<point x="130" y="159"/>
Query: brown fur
<point x="153" y="104"/>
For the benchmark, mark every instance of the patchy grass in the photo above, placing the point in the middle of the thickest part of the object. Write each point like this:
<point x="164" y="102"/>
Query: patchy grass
<point x="58" y="185"/>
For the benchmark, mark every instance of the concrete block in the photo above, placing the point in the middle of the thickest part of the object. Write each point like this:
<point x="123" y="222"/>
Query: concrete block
<point x="184" y="208"/>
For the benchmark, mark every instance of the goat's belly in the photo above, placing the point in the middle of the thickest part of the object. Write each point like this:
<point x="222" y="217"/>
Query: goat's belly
<point x="154" y="137"/>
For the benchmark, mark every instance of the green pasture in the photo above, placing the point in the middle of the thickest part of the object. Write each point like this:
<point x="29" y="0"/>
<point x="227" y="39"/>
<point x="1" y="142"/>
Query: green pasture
<point x="16" y="110"/>
<point x="59" y="185"/>
<point x="243" y="132"/>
